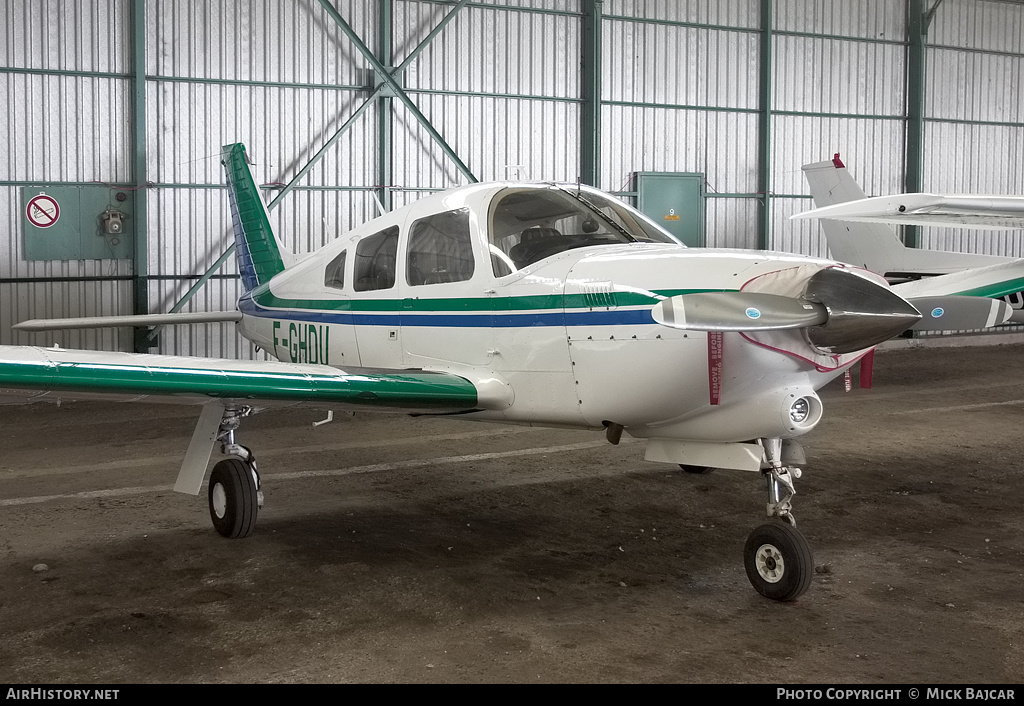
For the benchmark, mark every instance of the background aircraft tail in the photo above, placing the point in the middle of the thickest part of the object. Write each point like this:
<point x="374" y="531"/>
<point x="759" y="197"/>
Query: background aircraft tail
<point x="874" y="246"/>
<point x="259" y="253"/>
<point x="871" y="246"/>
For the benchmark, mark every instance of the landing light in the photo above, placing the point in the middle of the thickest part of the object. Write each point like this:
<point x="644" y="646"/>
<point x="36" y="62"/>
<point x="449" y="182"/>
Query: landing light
<point x="799" y="410"/>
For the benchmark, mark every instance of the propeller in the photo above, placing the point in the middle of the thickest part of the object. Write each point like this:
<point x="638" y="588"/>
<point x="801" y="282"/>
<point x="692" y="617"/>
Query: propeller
<point x="840" y="311"/>
<point x="738" y="311"/>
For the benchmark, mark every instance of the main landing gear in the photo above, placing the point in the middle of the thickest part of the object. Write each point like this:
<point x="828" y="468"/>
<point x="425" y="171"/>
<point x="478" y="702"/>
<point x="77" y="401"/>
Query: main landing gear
<point x="235" y="496"/>
<point x="777" y="557"/>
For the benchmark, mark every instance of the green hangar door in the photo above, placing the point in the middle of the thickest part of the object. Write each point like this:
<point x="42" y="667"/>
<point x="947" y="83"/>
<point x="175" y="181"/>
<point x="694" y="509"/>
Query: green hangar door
<point x="675" y="201"/>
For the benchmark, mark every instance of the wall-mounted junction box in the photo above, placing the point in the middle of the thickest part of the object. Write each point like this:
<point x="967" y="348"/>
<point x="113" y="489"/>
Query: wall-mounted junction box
<point x="78" y="222"/>
<point x="675" y="200"/>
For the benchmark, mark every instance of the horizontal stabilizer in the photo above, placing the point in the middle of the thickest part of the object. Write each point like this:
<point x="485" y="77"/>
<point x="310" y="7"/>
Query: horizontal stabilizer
<point x="965" y="211"/>
<point x="142" y="320"/>
<point x="955" y="313"/>
<point x="737" y="311"/>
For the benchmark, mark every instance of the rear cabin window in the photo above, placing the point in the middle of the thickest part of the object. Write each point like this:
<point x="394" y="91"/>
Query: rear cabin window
<point x="334" y="277"/>
<point x="375" y="261"/>
<point x="440" y="249"/>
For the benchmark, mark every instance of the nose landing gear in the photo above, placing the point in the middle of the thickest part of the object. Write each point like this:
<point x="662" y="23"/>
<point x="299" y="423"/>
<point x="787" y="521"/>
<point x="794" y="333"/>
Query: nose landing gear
<point x="777" y="557"/>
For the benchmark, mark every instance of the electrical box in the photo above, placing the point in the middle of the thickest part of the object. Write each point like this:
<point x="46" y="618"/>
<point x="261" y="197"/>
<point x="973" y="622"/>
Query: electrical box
<point x="63" y="222"/>
<point x="675" y="201"/>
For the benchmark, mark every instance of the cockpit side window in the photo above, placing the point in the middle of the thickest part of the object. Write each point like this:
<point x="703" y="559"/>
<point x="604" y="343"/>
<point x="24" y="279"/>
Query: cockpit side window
<point x="440" y="249"/>
<point x="375" y="261"/>
<point x="334" y="277"/>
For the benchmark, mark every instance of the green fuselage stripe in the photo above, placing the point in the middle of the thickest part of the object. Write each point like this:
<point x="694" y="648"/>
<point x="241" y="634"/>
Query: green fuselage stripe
<point x="265" y="298"/>
<point x="999" y="289"/>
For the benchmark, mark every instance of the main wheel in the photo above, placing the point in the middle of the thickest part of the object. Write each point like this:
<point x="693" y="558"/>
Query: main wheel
<point x="234" y="502"/>
<point x="778" y="561"/>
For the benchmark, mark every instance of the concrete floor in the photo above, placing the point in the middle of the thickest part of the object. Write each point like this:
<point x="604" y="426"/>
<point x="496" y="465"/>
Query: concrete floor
<point x="393" y="549"/>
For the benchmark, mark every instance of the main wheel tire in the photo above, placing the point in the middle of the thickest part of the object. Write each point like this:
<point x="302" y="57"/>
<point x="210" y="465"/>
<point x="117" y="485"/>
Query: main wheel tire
<point x="233" y="498"/>
<point x="696" y="470"/>
<point x="778" y="561"/>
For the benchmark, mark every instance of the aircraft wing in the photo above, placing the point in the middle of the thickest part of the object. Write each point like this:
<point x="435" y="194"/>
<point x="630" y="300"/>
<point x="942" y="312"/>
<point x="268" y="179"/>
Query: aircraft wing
<point x="29" y="374"/>
<point x="966" y="211"/>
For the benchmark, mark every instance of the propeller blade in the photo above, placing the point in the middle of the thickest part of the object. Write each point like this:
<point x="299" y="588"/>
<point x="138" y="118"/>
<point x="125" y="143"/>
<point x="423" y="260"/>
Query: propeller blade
<point x="958" y="313"/>
<point x="737" y="311"/>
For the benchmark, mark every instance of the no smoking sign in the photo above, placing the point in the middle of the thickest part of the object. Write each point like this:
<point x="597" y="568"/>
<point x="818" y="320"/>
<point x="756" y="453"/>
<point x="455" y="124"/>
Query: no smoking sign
<point x="42" y="211"/>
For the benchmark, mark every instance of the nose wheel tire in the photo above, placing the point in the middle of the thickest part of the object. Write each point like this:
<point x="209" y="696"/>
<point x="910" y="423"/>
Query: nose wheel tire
<point x="778" y="561"/>
<point x="234" y="500"/>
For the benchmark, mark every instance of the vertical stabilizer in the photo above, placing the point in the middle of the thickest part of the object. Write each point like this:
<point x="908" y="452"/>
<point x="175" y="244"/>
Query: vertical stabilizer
<point x="873" y="246"/>
<point x="257" y="250"/>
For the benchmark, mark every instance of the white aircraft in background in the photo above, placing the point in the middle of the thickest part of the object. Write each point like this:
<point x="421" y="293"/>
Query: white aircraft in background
<point x="539" y="304"/>
<point x="854" y="227"/>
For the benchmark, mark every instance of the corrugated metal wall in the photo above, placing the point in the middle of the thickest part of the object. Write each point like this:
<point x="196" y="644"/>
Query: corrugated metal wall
<point x="838" y="85"/>
<point x="67" y="97"/>
<point x="501" y="83"/>
<point x="680" y="81"/>
<point x="974" y="137"/>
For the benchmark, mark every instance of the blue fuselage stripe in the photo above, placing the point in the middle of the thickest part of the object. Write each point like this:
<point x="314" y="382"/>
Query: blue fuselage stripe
<point x="612" y="317"/>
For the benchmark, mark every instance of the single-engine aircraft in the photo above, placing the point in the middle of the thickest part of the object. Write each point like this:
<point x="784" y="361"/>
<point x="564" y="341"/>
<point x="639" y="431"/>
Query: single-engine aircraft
<point x="854" y="227"/>
<point x="539" y="304"/>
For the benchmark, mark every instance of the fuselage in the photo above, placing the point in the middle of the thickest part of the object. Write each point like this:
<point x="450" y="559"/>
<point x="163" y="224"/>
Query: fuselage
<point x="565" y="340"/>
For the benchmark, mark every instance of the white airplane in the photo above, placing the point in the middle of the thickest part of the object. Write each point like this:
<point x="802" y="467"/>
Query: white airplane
<point x="539" y="304"/>
<point x="854" y="227"/>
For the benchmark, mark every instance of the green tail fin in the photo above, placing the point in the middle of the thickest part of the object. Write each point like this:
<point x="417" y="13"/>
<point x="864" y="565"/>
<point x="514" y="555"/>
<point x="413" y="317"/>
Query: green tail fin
<point x="257" y="250"/>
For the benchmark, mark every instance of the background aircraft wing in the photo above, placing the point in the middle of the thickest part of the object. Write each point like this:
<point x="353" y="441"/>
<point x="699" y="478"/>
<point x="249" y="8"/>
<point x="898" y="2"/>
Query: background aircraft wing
<point x="29" y="374"/>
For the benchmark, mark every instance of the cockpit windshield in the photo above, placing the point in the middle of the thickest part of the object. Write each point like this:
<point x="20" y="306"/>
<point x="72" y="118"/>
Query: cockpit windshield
<point x="530" y="224"/>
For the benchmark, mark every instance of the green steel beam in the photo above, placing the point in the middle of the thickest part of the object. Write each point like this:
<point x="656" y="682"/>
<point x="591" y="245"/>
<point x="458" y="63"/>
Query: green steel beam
<point x="142" y="340"/>
<point x="764" y="126"/>
<point x="219" y="262"/>
<point x="377" y="93"/>
<point x="590" y="111"/>
<point x="385" y="74"/>
<point x="385" y="108"/>
<point x="912" y="180"/>
<point x="507" y="8"/>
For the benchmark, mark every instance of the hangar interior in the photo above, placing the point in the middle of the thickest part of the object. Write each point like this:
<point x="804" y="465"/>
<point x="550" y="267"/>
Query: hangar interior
<point x="118" y="110"/>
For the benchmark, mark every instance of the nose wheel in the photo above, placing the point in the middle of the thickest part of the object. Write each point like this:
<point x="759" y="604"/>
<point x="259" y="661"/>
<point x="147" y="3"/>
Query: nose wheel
<point x="778" y="561"/>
